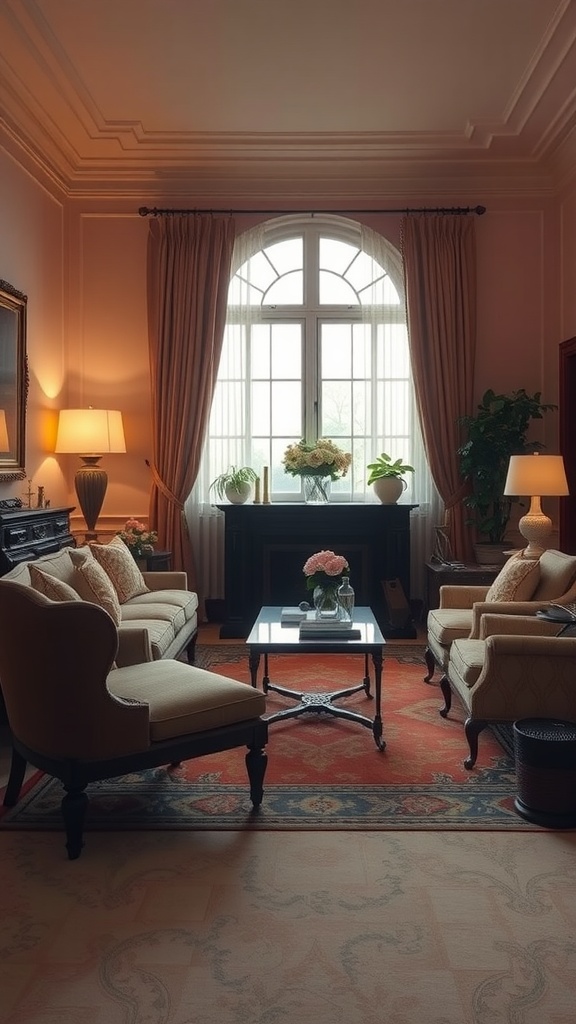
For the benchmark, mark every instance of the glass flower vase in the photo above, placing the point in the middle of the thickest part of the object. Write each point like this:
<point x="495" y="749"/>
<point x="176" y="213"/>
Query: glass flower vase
<point x="326" y="602"/>
<point x="316" y="489"/>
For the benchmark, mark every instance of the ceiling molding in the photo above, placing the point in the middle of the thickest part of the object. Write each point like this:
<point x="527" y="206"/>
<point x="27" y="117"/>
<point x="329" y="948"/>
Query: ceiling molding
<point x="52" y="116"/>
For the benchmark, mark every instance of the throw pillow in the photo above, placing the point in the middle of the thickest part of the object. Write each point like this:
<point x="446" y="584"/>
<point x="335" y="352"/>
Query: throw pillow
<point x="516" y="581"/>
<point x="50" y="586"/>
<point x="121" y="568"/>
<point x="94" y="585"/>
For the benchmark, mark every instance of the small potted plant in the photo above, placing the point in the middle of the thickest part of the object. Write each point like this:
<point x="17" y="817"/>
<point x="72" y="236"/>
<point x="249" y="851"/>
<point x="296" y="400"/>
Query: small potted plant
<point x="235" y="484"/>
<point x="387" y="478"/>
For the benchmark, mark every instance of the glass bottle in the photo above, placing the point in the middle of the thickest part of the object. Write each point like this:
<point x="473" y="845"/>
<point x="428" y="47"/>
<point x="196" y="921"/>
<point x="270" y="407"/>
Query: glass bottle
<point x="346" y="600"/>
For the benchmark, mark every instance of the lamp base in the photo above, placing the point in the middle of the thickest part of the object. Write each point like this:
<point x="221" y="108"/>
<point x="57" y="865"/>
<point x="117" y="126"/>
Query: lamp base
<point x="91" y="482"/>
<point x="536" y="528"/>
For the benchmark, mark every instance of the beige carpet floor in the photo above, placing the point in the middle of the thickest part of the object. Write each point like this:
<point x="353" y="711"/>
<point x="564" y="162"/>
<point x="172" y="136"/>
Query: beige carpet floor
<point x="280" y="928"/>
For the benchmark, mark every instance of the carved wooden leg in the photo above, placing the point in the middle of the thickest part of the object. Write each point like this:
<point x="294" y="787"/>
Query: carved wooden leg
<point x="447" y="694"/>
<point x="430" y="665"/>
<point x="17" y="770"/>
<point x="74" y="806"/>
<point x="256" y="762"/>
<point x="473" y="727"/>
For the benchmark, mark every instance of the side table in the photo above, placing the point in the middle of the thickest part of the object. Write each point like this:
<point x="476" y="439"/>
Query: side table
<point x="565" y="619"/>
<point x="545" y="756"/>
<point x="470" y="574"/>
<point x="158" y="561"/>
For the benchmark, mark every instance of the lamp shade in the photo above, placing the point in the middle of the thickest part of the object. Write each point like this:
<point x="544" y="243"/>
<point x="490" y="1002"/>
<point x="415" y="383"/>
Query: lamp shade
<point x="536" y="474"/>
<point x="90" y="432"/>
<point x="4" y="443"/>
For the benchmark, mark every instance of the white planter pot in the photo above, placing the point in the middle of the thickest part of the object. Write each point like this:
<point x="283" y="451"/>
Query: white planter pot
<point x="388" y="489"/>
<point x="240" y="496"/>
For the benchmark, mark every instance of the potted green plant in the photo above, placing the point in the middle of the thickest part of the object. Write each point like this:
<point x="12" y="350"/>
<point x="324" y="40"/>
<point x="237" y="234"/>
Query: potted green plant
<point x="235" y="484"/>
<point x="498" y="430"/>
<point x="387" y="478"/>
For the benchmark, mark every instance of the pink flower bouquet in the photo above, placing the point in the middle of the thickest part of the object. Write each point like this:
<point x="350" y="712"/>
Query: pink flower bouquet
<point x="325" y="569"/>
<point x="138" y="538"/>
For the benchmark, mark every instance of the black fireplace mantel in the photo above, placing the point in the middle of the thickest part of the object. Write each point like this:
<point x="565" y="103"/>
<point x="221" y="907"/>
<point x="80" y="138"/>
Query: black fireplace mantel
<point x="266" y="547"/>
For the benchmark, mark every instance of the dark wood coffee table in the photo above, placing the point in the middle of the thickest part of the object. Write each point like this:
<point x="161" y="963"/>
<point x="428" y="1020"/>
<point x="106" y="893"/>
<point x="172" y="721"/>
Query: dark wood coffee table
<point x="269" y="636"/>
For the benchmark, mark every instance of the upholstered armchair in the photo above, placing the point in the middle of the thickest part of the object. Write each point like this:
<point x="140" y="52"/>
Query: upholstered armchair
<point x="517" y="668"/>
<point x="517" y="590"/>
<point x="75" y="716"/>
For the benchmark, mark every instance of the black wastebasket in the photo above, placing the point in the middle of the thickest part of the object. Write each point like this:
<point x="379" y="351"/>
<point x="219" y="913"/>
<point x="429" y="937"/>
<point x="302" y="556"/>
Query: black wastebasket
<point x="545" y="754"/>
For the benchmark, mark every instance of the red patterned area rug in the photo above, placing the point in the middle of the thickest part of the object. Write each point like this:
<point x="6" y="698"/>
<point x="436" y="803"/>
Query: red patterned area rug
<point x="323" y="772"/>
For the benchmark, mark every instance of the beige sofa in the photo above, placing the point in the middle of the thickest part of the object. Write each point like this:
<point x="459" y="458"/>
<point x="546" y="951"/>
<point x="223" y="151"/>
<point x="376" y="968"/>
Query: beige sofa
<point x="159" y="623"/>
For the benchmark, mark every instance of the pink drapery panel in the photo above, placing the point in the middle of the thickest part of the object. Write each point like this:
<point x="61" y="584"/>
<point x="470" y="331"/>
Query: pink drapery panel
<point x="439" y="254"/>
<point x="189" y="260"/>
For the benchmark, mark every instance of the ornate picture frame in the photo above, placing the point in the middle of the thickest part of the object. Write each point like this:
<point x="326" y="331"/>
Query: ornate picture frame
<point x="14" y="382"/>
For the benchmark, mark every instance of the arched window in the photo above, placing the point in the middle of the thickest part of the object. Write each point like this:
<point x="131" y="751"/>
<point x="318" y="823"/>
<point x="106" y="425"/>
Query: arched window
<point x="315" y="346"/>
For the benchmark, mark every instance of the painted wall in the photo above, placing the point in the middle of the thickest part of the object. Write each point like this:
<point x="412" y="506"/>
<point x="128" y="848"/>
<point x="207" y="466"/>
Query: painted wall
<point x="567" y="245"/>
<point x="84" y="269"/>
<point x="32" y="258"/>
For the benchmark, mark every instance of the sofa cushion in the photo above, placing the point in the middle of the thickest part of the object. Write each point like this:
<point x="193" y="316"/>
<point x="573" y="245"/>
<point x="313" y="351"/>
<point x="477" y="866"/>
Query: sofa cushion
<point x="557" y="573"/>
<point x="51" y="586"/>
<point x="158" y="610"/>
<point x="516" y="581"/>
<point x="448" y="624"/>
<point x="121" y="568"/>
<point x="183" y="699"/>
<point x="95" y="586"/>
<point x="185" y="599"/>
<point x="467" y="660"/>
<point x="160" y="633"/>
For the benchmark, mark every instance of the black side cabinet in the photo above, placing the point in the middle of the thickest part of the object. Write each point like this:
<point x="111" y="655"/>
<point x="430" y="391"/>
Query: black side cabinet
<point x="266" y="547"/>
<point x="27" y="533"/>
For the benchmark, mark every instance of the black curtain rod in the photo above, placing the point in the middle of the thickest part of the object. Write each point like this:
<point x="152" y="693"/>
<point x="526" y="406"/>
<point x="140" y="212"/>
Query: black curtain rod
<point x="146" y="211"/>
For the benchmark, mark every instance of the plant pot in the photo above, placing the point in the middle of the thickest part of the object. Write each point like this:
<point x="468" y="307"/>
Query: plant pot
<point x="238" y="496"/>
<point x="388" y="489"/>
<point x="491" y="554"/>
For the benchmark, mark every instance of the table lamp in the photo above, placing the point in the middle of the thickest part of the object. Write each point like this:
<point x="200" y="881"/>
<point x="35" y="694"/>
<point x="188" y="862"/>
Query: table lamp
<point x="90" y="433"/>
<point x="536" y="476"/>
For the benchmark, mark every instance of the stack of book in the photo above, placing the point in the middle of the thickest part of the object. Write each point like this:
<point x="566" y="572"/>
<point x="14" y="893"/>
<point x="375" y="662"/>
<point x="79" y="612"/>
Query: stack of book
<point x="291" y="616"/>
<point x="312" y="628"/>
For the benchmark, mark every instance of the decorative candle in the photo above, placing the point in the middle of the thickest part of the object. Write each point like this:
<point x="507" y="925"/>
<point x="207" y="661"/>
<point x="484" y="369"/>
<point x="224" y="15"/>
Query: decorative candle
<point x="257" y="491"/>
<point x="265" y="488"/>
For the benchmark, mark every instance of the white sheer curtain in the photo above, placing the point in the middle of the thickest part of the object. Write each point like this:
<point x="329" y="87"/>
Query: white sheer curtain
<point x="421" y="490"/>
<point x="205" y="522"/>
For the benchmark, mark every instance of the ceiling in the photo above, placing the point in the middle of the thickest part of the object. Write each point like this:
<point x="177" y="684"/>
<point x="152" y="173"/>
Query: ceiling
<point x="261" y="100"/>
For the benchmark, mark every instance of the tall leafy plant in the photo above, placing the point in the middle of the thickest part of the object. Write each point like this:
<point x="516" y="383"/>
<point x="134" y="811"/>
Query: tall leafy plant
<point x="497" y="431"/>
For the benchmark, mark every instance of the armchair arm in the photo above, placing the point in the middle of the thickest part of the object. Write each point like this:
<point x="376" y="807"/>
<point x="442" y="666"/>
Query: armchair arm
<point x="516" y="625"/>
<point x="167" y="580"/>
<point x="526" y="677"/>
<point x="133" y="646"/>
<point x="454" y="595"/>
<point x="481" y="608"/>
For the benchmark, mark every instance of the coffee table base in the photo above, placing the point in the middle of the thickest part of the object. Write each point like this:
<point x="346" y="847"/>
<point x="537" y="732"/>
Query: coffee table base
<point x="323" y="704"/>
